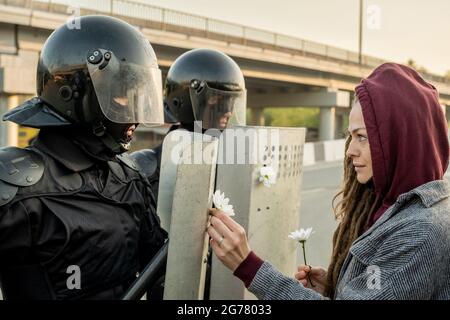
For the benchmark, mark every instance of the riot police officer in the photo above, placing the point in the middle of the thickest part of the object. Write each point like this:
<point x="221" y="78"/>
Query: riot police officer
<point x="77" y="216"/>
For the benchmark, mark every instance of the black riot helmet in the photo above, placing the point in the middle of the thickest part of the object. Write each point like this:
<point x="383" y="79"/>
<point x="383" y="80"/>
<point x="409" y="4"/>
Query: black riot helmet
<point x="206" y="85"/>
<point x="103" y="76"/>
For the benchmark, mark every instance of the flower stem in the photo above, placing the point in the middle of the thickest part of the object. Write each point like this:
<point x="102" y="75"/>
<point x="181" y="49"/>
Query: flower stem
<point x="304" y="257"/>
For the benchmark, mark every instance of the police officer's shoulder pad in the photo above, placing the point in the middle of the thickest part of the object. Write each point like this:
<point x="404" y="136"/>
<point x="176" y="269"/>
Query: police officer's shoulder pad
<point x="19" y="168"/>
<point x="7" y="192"/>
<point x="127" y="160"/>
<point x="146" y="161"/>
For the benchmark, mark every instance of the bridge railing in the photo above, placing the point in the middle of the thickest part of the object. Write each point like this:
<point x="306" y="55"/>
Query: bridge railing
<point x="145" y="15"/>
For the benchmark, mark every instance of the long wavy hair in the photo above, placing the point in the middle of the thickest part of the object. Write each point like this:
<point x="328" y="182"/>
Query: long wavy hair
<point x="352" y="207"/>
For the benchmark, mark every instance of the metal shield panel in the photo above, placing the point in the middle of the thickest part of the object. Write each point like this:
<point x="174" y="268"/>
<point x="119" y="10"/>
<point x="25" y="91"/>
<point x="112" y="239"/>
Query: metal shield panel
<point x="187" y="180"/>
<point x="268" y="214"/>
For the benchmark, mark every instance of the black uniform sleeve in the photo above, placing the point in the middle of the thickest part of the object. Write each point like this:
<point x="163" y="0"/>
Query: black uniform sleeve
<point x="152" y="237"/>
<point x="15" y="234"/>
<point x="151" y="241"/>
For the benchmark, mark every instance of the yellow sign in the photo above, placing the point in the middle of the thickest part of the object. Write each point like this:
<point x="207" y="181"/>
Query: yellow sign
<point x="26" y="135"/>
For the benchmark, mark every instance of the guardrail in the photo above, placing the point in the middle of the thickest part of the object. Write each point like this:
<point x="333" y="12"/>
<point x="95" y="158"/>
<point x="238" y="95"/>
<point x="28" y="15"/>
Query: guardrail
<point x="145" y="15"/>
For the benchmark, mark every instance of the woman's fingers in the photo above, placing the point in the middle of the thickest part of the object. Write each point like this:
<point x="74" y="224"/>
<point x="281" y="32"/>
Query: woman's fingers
<point x="221" y="228"/>
<point x="217" y="249"/>
<point x="315" y="271"/>
<point x="222" y="236"/>
<point x="318" y="272"/>
<point x="303" y="267"/>
<point x="228" y="239"/>
<point x="300" y="275"/>
<point x="230" y="229"/>
<point x="214" y="234"/>
<point x="228" y="221"/>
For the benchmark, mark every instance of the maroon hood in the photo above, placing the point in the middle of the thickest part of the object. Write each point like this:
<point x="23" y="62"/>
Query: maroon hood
<point x="407" y="132"/>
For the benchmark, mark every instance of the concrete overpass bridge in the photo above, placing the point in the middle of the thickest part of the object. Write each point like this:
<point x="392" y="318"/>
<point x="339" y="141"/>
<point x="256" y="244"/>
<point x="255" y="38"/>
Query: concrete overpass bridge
<point x="280" y="71"/>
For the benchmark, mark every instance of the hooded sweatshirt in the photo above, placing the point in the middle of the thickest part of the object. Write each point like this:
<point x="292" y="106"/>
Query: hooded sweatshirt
<point x="407" y="132"/>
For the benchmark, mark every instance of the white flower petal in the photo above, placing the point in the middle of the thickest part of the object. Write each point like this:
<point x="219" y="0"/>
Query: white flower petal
<point x="308" y="233"/>
<point x="267" y="176"/>
<point x="228" y="210"/>
<point x="222" y="203"/>
<point x="216" y="198"/>
<point x="301" y="235"/>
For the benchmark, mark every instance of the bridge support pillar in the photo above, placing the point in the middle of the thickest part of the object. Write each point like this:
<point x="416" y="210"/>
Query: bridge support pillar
<point x="339" y="132"/>
<point x="327" y="123"/>
<point x="256" y="117"/>
<point x="9" y="132"/>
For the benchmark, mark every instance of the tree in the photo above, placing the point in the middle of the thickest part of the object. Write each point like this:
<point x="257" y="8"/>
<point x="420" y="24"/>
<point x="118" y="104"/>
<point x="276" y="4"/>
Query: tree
<point x="447" y="75"/>
<point x="411" y="63"/>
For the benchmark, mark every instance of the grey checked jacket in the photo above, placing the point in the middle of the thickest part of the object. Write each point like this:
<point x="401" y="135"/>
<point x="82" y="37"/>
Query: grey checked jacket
<point x="404" y="255"/>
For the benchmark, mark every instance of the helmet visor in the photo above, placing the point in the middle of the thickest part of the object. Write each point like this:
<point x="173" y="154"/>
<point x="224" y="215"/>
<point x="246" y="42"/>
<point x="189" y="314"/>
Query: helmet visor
<point x="218" y="109"/>
<point x="126" y="92"/>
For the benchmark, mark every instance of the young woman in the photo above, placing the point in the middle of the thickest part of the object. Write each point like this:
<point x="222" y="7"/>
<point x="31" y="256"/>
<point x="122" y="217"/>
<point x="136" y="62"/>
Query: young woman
<point x="393" y="240"/>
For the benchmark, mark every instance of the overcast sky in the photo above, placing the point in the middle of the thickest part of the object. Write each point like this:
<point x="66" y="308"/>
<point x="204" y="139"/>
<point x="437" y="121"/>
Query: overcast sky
<point x="395" y="30"/>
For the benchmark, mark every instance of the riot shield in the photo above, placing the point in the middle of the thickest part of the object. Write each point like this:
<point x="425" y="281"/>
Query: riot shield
<point x="188" y="167"/>
<point x="268" y="210"/>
